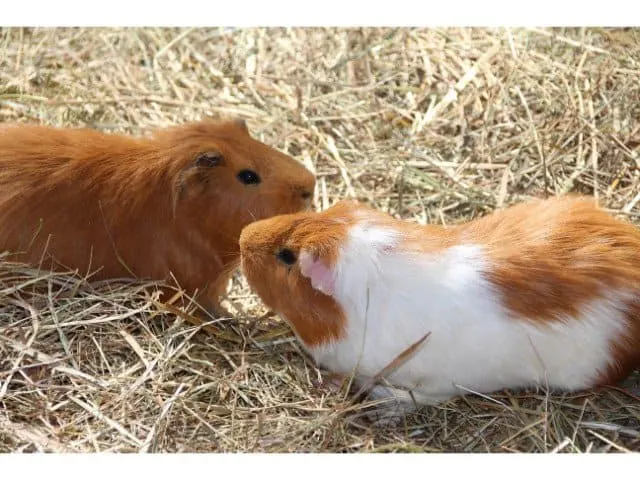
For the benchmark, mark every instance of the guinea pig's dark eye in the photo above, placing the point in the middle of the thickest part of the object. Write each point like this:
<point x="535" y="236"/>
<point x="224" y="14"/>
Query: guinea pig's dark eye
<point x="209" y="159"/>
<point x="248" y="177"/>
<point x="286" y="256"/>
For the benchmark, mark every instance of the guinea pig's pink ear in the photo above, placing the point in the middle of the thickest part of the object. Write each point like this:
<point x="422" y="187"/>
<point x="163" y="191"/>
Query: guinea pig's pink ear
<point x="322" y="276"/>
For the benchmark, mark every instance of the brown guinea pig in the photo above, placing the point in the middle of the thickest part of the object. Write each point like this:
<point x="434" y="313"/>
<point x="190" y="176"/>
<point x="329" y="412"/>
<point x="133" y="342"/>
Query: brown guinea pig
<point x="541" y="294"/>
<point x="166" y="207"/>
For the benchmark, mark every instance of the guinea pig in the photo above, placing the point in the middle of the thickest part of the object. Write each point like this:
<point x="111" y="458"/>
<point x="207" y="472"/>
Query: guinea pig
<point x="544" y="294"/>
<point x="167" y="207"/>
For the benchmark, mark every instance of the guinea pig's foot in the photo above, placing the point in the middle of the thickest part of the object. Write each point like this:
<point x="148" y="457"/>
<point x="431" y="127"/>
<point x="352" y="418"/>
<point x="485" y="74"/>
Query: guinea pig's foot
<point x="218" y="311"/>
<point x="385" y="418"/>
<point x="390" y="414"/>
<point x="332" y="383"/>
<point x="210" y="309"/>
<point x="395" y="405"/>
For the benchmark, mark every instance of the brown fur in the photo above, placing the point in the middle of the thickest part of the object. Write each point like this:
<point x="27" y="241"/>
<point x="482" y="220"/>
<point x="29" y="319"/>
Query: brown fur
<point x="121" y="206"/>
<point x="547" y="259"/>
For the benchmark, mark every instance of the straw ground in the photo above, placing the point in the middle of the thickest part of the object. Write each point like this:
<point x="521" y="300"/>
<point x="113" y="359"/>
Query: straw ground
<point x="432" y="125"/>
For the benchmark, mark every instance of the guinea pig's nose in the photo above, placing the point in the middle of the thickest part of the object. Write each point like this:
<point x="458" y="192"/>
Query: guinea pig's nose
<point x="306" y="195"/>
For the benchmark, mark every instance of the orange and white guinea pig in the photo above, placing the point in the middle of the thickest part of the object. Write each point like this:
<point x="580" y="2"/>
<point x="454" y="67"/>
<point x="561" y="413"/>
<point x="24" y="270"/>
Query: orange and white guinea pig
<point x="542" y="294"/>
<point x="166" y="207"/>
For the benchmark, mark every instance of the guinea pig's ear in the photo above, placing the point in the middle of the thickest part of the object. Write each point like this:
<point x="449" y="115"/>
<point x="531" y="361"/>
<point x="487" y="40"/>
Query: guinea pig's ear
<point x="318" y="270"/>
<point x="209" y="159"/>
<point x="194" y="176"/>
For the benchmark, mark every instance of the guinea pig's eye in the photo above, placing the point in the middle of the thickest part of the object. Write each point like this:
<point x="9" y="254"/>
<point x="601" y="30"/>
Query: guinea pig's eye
<point x="248" y="177"/>
<point x="209" y="159"/>
<point x="286" y="256"/>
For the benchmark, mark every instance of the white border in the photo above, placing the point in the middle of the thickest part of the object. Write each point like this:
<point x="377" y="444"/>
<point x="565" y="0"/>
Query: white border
<point x="311" y="466"/>
<point x="265" y="13"/>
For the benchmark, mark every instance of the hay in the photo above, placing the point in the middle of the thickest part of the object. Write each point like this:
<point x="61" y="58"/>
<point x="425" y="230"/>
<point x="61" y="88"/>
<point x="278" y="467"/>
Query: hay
<point x="436" y="126"/>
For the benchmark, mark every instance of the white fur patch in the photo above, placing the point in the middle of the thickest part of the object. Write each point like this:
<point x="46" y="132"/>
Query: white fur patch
<point x="392" y="298"/>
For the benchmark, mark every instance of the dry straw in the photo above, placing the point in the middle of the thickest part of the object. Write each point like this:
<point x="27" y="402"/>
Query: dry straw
<point x="432" y="125"/>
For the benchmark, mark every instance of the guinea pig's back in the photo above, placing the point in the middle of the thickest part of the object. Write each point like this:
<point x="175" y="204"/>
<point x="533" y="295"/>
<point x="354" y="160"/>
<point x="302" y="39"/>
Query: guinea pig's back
<point x="50" y="182"/>
<point x="568" y="240"/>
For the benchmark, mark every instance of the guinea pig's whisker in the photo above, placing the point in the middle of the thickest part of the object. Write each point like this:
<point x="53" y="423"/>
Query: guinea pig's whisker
<point x="253" y="216"/>
<point x="229" y="254"/>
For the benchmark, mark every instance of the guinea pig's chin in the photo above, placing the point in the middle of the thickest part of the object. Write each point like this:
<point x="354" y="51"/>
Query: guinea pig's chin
<point x="296" y="206"/>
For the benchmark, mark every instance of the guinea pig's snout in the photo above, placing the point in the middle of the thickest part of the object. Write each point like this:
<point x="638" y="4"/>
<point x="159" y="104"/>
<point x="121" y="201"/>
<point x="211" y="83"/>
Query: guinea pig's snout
<point x="245" y="238"/>
<point x="251" y="238"/>
<point x="304" y="188"/>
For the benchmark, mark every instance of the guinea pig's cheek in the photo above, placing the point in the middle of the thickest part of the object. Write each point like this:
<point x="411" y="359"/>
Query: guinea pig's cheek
<point x="321" y="277"/>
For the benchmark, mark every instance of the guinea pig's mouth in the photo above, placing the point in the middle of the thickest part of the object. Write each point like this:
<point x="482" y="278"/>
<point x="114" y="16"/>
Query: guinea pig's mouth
<point x="247" y="258"/>
<point x="245" y="262"/>
<point x="243" y="266"/>
<point x="250" y="269"/>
